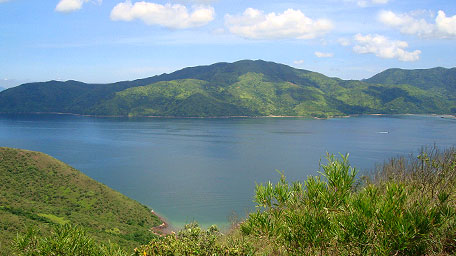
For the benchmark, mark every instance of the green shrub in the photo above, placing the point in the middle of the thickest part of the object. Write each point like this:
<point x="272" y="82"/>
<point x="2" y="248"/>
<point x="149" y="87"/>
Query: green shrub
<point x="332" y="216"/>
<point x="63" y="240"/>
<point x="192" y="240"/>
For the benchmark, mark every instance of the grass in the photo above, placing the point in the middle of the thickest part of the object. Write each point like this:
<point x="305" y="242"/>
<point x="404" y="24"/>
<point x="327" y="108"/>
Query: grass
<point x="40" y="191"/>
<point x="406" y="207"/>
<point x="63" y="240"/>
<point x="54" y="219"/>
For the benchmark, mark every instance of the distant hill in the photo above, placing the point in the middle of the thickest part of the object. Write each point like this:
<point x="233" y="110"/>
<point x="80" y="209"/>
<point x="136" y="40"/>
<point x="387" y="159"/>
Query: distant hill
<point x="243" y="88"/>
<point x="433" y="78"/>
<point x="38" y="190"/>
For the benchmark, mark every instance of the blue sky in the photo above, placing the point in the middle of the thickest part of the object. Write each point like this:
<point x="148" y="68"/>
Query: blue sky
<point x="111" y="40"/>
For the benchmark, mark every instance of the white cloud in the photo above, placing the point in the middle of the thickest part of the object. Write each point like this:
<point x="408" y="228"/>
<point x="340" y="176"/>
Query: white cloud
<point x="344" y="41"/>
<point x="3" y="1"/>
<point x="324" y="54"/>
<point x="298" y="62"/>
<point x="414" y="24"/>
<point x="169" y="15"/>
<point x="384" y="48"/>
<point x="446" y="25"/>
<point x="255" y="24"/>
<point x="71" y="5"/>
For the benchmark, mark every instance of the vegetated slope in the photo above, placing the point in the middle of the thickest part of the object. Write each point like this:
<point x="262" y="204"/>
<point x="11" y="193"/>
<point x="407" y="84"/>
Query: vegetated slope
<point x="38" y="190"/>
<point x="253" y="94"/>
<point x="55" y="96"/>
<point x="243" y="88"/>
<point x="437" y="78"/>
<point x="438" y="81"/>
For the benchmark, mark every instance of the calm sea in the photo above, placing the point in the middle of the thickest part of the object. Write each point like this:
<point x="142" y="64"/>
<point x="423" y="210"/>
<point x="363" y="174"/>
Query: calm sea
<point x="206" y="169"/>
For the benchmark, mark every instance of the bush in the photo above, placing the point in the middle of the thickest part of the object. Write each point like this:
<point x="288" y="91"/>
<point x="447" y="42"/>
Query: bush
<point x="192" y="240"/>
<point x="63" y="240"/>
<point x="328" y="215"/>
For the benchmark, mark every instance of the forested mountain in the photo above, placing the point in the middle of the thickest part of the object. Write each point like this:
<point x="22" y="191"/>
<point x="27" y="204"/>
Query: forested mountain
<point x="243" y="88"/>
<point x="434" y="78"/>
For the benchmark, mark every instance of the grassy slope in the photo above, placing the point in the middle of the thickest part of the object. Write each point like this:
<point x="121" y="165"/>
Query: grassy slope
<point x="249" y="88"/>
<point x="37" y="189"/>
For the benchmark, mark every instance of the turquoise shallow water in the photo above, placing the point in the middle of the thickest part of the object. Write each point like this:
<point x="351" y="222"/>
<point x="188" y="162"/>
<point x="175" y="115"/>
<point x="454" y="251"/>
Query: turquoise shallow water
<point x="206" y="169"/>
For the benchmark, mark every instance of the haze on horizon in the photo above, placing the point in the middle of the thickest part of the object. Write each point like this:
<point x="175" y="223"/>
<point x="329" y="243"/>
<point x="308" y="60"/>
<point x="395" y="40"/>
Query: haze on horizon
<point x="113" y="40"/>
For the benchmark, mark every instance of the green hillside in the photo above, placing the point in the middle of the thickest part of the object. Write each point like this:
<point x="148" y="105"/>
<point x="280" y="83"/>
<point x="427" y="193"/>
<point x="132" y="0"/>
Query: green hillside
<point x="38" y="190"/>
<point x="254" y="94"/>
<point x="243" y="88"/>
<point x="433" y="78"/>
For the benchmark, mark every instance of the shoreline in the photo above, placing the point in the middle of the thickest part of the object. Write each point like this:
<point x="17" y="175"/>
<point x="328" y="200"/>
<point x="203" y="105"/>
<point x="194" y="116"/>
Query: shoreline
<point x="162" y="229"/>
<point x="227" y="117"/>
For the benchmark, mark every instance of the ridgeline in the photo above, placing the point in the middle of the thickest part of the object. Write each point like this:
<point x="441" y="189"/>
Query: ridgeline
<point x="243" y="88"/>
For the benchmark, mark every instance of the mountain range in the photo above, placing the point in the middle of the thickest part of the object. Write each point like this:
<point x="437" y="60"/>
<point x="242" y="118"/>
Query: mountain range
<point x="243" y="88"/>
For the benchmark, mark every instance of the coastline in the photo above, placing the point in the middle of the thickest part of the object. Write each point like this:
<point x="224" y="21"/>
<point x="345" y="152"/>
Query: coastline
<point x="227" y="117"/>
<point x="162" y="229"/>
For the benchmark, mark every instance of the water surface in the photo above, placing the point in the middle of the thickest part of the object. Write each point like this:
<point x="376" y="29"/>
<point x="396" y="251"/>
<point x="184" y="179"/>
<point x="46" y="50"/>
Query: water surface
<point x="206" y="169"/>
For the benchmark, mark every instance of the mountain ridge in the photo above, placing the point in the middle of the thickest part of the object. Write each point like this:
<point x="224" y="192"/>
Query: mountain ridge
<point x="243" y="88"/>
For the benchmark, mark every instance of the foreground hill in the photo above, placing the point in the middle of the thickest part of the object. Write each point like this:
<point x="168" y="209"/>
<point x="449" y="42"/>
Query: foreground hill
<point x="38" y="190"/>
<point x="243" y="88"/>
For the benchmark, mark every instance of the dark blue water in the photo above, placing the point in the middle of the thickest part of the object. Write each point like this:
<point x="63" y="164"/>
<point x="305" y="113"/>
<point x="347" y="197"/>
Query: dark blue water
<point x="206" y="169"/>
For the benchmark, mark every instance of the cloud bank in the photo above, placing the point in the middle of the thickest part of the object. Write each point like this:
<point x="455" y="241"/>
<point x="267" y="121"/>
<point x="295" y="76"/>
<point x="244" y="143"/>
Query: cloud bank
<point x="384" y="48"/>
<point x="413" y="24"/>
<point x="175" y="16"/>
<point x="255" y="24"/>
